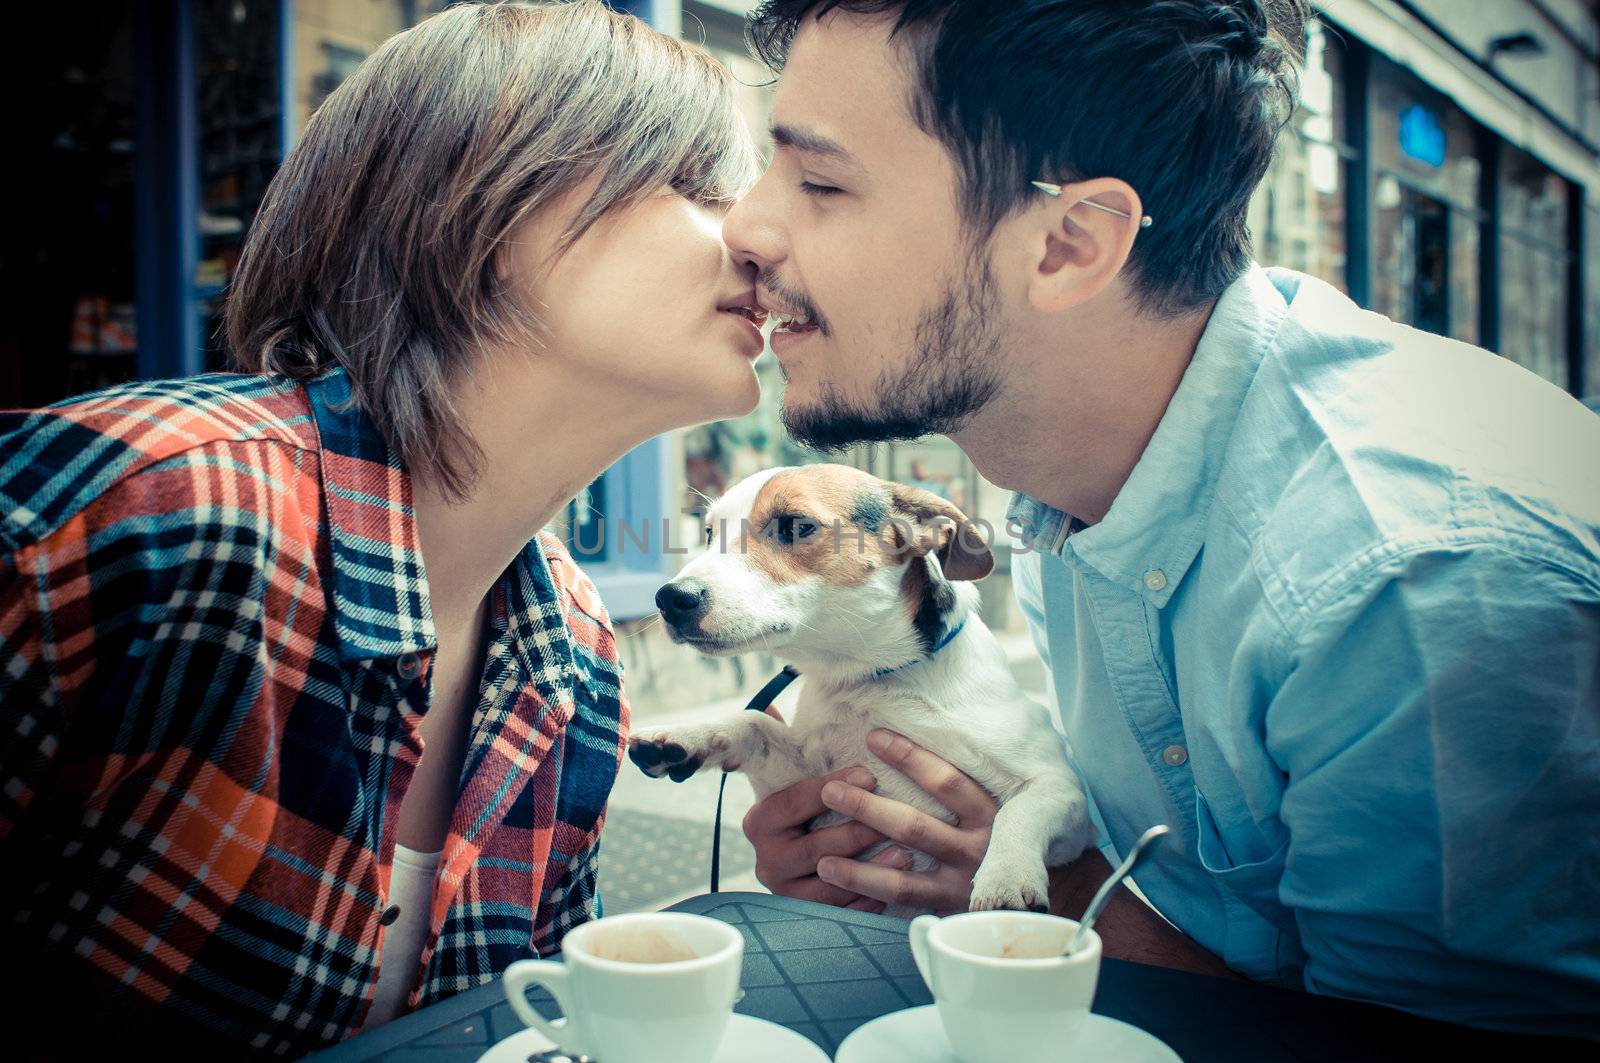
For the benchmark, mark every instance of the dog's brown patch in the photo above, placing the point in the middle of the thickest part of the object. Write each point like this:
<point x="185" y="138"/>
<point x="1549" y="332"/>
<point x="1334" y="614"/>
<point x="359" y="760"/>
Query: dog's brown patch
<point x="861" y="523"/>
<point x="843" y="549"/>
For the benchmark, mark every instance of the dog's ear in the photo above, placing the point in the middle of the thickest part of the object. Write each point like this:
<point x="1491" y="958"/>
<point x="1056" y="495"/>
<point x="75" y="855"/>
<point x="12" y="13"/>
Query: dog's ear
<point x="942" y="529"/>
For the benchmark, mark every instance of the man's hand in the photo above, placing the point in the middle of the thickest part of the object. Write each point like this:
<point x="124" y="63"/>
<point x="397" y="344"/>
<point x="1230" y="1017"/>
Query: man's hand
<point x="787" y="854"/>
<point x="958" y="847"/>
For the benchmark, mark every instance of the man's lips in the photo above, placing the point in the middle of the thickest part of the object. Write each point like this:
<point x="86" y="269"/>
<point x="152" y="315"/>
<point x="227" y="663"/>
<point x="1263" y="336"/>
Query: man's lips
<point x="785" y="340"/>
<point x="792" y="329"/>
<point x="793" y="325"/>
<point x="788" y="321"/>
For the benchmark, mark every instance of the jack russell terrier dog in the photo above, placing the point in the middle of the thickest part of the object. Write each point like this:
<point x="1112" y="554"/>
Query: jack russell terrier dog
<point x="865" y="587"/>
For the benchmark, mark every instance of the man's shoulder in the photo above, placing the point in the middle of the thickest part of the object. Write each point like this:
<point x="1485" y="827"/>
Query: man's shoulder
<point x="56" y="461"/>
<point x="1363" y="441"/>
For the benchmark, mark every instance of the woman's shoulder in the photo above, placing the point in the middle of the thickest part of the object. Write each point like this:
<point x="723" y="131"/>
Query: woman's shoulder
<point x="60" y="459"/>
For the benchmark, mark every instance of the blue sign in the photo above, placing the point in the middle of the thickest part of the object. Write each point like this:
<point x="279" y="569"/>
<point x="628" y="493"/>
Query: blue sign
<point x="1422" y="135"/>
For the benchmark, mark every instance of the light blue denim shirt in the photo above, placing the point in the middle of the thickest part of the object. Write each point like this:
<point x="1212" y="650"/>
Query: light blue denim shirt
<point x="1341" y="630"/>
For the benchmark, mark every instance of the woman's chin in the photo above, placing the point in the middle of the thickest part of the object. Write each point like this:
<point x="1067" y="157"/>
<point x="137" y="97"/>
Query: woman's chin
<point x="714" y="393"/>
<point x="731" y="396"/>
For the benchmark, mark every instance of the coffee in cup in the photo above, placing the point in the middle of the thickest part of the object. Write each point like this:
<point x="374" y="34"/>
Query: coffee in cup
<point x="655" y="987"/>
<point x="1004" y="991"/>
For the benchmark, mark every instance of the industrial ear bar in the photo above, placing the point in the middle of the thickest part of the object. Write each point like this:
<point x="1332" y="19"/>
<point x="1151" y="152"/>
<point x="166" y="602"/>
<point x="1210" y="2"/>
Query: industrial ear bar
<point x="1049" y="189"/>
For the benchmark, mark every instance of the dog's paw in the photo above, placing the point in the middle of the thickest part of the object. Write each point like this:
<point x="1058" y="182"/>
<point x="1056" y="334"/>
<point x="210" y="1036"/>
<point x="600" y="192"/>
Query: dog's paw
<point x="675" y="756"/>
<point x="1015" y="885"/>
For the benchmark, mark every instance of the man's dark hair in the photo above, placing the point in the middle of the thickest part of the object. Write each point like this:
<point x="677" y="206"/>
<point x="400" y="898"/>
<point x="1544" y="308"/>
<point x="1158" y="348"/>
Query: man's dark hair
<point x="1182" y="99"/>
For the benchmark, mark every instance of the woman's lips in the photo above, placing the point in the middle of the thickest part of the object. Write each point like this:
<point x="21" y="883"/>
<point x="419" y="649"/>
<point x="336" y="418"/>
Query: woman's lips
<point x="750" y="321"/>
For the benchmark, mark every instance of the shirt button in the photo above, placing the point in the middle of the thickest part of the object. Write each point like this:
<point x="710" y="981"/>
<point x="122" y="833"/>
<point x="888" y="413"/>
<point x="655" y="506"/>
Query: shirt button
<point x="1175" y="755"/>
<point x="410" y="665"/>
<point x="390" y="914"/>
<point x="1155" y="579"/>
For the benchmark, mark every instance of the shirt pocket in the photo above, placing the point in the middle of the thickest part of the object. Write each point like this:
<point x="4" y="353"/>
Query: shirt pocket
<point x="1254" y="883"/>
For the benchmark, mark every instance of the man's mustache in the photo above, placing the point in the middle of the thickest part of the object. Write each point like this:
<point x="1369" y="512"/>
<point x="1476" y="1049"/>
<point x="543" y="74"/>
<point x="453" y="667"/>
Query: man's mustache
<point x="791" y="301"/>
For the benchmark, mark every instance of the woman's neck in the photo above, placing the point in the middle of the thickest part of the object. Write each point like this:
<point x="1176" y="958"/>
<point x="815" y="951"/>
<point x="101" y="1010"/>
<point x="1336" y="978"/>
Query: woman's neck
<point x="543" y="436"/>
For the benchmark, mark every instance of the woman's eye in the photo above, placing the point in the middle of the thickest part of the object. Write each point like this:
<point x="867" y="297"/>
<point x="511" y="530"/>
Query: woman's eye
<point x="810" y="188"/>
<point x="791" y="529"/>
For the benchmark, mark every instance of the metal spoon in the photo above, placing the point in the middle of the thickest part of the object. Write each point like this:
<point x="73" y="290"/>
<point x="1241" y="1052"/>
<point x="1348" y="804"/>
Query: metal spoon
<point x="1103" y="894"/>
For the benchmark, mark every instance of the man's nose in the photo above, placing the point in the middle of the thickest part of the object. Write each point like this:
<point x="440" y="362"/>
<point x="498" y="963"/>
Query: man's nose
<point x="753" y="235"/>
<point x="683" y="601"/>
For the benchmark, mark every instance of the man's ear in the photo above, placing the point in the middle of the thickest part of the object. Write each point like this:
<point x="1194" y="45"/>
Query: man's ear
<point x="1075" y="250"/>
<point x="943" y="530"/>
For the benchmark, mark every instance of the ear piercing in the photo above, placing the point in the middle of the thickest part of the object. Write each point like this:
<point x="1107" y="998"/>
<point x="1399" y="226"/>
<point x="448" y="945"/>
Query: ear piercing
<point x="1050" y="189"/>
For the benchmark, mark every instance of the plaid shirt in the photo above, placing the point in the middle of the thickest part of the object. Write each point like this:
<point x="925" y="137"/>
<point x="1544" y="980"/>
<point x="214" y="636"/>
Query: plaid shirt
<point x="215" y="642"/>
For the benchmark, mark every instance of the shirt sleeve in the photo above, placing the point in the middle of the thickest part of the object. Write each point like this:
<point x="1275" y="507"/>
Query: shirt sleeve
<point x="29" y="701"/>
<point x="1440" y="733"/>
<point x="135" y="603"/>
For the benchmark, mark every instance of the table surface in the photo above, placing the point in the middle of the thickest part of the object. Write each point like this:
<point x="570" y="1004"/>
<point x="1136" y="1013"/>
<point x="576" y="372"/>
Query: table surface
<point x="824" y="971"/>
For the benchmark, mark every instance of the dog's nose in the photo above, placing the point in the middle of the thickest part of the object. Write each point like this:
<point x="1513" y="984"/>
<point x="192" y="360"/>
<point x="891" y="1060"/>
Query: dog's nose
<point x="682" y="601"/>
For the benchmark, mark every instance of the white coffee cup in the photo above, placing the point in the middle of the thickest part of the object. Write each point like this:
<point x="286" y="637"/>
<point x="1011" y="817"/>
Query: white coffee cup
<point x="656" y="986"/>
<point x="1004" y="991"/>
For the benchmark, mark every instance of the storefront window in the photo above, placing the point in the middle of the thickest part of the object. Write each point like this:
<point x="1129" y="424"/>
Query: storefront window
<point x="240" y="127"/>
<point x="1466" y="287"/>
<point x="1427" y="207"/>
<point x="1410" y="256"/>
<point x="1423" y="138"/>
<point x="1533" y="199"/>
<point x="67" y="259"/>
<point x="1298" y="215"/>
<point x="239" y="107"/>
<point x="1533" y="308"/>
<point x="1534" y="266"/>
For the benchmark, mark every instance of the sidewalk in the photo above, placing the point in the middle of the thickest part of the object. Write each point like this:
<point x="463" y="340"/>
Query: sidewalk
<point x="656" y="846"/>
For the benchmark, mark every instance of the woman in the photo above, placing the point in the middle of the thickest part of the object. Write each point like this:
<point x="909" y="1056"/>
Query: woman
<point x="307" y="724"/>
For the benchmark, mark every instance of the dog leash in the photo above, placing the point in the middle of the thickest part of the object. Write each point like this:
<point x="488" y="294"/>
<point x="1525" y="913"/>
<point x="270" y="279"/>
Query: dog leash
<point x="764" y="697"/>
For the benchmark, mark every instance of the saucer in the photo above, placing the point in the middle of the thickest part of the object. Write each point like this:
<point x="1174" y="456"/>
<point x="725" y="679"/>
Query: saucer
<point x="747" y="1038"/>
<point x="917" y="1036"/>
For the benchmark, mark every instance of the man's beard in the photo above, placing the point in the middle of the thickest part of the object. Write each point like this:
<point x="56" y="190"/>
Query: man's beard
<point x="951" y="375"/>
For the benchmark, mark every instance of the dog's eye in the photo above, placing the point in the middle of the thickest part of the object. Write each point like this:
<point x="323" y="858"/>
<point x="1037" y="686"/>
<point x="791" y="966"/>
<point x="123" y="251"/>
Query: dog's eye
<point x="708" y="535"/>
<point x="790" y="529"/>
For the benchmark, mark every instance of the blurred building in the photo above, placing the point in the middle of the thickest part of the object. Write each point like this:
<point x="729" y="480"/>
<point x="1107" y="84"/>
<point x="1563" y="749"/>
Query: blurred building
<point x="1444" y="169"/>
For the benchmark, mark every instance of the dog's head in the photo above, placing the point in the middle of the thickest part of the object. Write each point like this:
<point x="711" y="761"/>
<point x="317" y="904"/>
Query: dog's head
<point x="826" y="565"/>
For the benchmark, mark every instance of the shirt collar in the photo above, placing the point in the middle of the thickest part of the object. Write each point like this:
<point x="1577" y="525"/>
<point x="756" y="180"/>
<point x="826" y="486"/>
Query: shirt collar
<point x="1152" y="533"/>
<point x="380" y="589"/>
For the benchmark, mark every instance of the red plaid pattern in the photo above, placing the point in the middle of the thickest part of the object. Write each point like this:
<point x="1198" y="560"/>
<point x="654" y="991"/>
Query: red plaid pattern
<point x="214" y="650"/>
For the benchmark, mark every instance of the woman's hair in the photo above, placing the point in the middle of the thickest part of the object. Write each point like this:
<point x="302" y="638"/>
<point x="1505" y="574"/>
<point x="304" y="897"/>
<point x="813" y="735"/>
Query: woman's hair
<point x="377" y="246"/>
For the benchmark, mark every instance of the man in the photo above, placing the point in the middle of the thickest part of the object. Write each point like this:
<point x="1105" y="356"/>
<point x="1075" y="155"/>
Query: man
<point x="1319" y="591"/>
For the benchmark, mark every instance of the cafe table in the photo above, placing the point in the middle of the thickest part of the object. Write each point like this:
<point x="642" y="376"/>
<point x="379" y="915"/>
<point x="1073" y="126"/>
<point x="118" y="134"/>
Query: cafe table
<point x="824" y="971"/>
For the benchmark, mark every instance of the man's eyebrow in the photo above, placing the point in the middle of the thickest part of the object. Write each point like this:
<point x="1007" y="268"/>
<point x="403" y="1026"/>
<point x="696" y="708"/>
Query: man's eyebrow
<point x="805" y="140"/>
